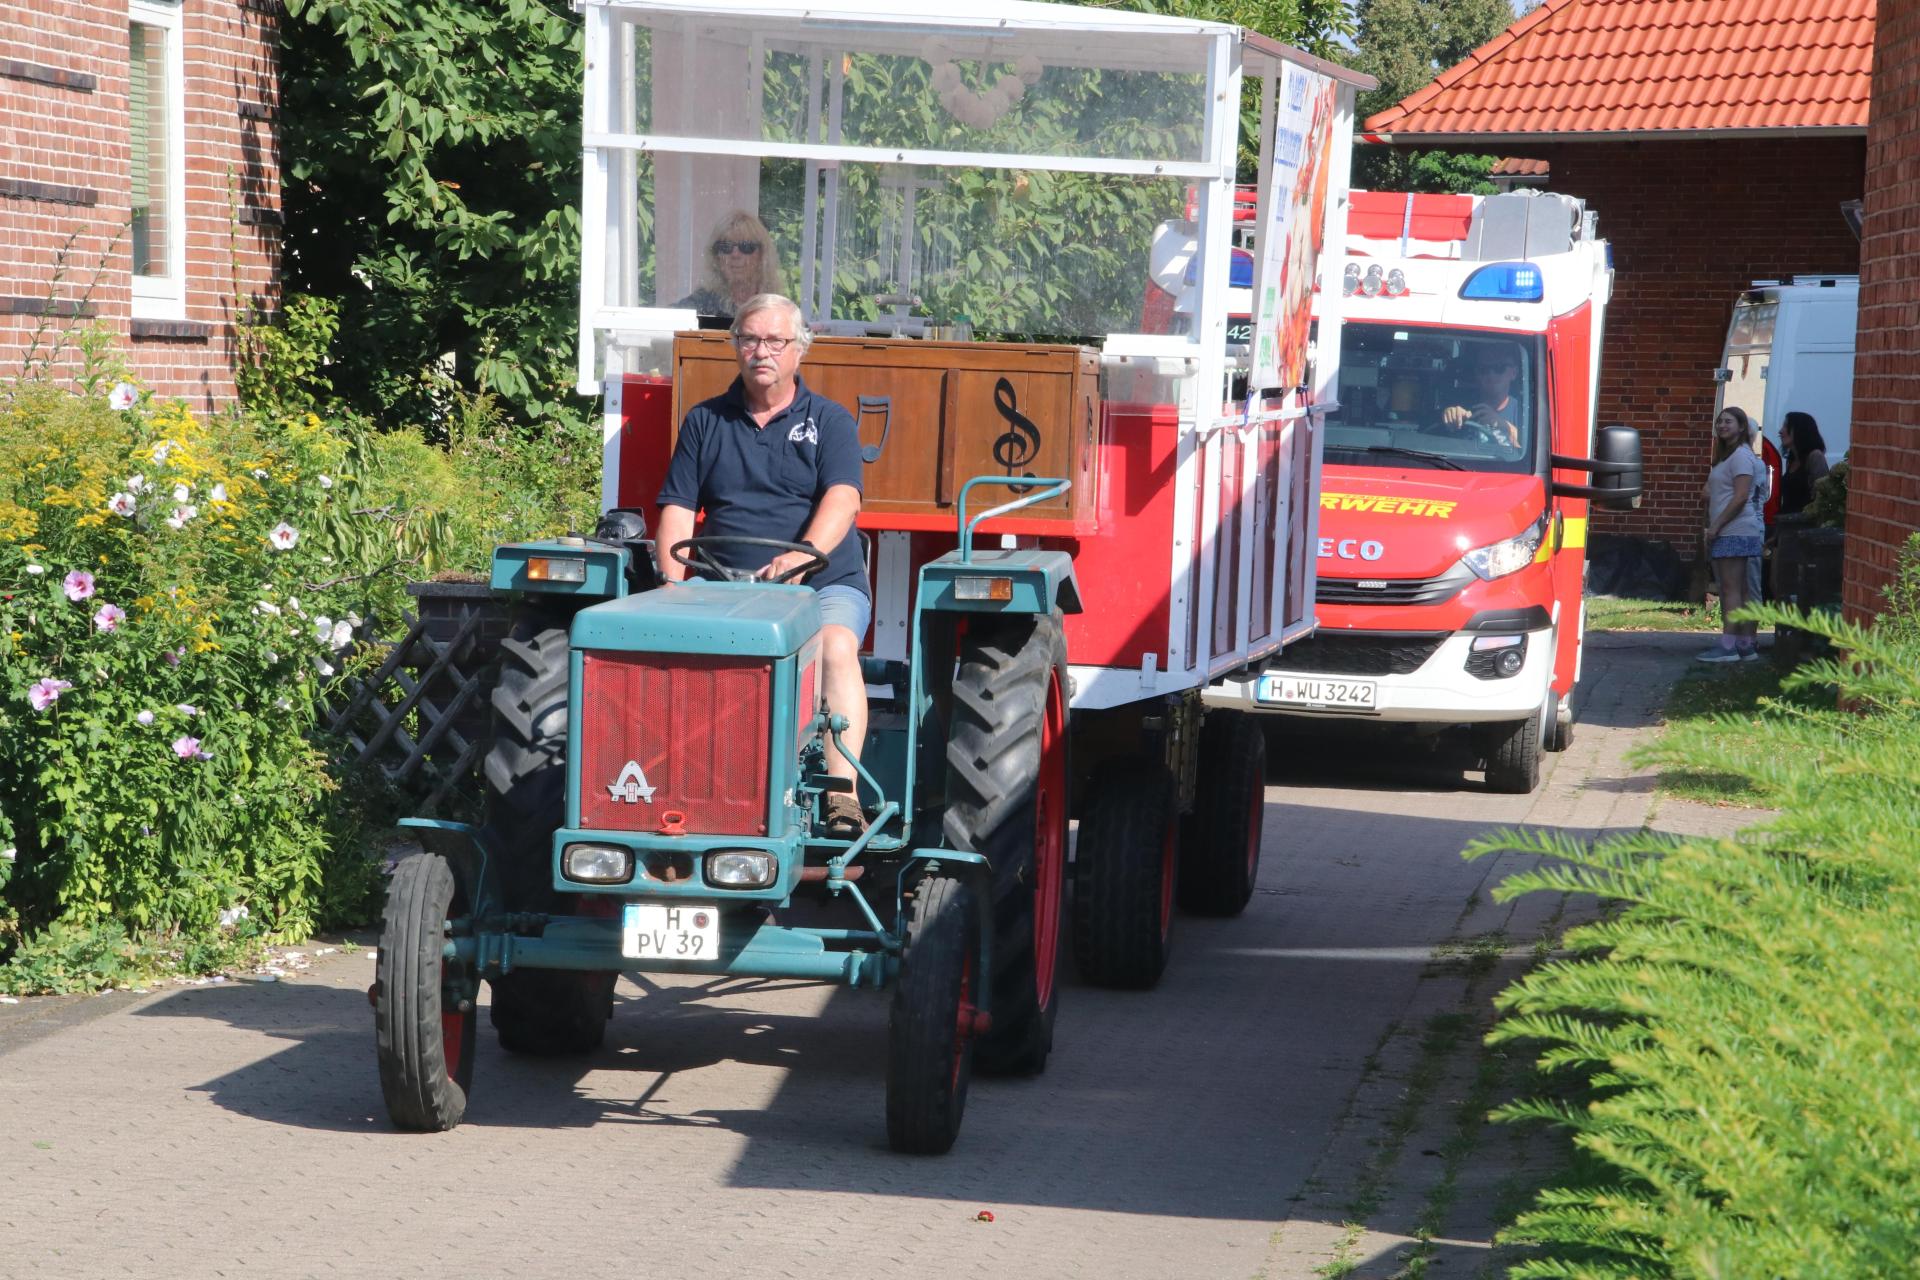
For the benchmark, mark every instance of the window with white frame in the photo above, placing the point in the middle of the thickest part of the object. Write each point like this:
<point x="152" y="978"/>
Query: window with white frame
<point x="157" y="179"/>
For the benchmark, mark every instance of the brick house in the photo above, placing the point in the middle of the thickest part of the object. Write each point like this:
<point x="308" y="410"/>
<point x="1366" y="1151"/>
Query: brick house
<point x="139" y="181"/>
<point x="1717" y="140"/>
<point x="1883" y="505"/>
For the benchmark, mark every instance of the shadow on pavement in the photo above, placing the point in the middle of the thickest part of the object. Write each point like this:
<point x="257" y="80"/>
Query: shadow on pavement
<point x="1212" y="1096"/>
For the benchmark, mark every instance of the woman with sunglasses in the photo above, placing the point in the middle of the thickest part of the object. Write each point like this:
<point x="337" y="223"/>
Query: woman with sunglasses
<point x="741" y="262"/>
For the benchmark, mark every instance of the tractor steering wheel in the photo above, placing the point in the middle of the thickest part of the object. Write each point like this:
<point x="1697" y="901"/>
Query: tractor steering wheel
<point x="696" y="554"/>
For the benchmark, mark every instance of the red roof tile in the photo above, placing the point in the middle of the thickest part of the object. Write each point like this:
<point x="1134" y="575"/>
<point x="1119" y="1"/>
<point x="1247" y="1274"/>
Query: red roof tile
<point x="1590" y="68"/>
<point x="1514" y="167"/>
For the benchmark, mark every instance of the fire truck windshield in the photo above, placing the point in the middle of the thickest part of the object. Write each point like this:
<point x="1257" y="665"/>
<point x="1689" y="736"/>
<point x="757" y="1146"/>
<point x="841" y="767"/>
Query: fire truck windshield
<point x="1455" y="399"/>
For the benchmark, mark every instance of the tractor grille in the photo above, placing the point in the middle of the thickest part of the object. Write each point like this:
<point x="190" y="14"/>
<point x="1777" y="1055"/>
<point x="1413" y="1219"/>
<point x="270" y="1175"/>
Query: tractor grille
<point x="1393" y="590"/>
<point x="1371" y="653"/>
<point x="695" y="727"/>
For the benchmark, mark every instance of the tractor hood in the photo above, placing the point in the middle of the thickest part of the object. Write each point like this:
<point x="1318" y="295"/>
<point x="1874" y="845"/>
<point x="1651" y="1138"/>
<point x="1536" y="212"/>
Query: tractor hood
<point x="1380" y="522"/>
<point x="746" y="620"/>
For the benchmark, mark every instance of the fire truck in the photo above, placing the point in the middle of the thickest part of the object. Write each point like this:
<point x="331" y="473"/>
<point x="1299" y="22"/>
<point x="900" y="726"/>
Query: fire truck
<point x="1459" y="474"/>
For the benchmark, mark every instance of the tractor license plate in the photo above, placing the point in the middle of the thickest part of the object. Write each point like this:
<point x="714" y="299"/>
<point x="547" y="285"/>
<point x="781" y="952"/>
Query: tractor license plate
<point x="1320" y="694"/>
<point x="650" y="931"/>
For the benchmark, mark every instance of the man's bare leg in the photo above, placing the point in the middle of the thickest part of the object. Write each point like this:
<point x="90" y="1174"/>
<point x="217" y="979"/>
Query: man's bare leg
<point x="846" y="693"/>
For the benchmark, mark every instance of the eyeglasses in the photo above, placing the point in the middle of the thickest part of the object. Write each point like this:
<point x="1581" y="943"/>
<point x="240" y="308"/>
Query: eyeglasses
<point x="721" y="248"/>
<point x="772" y="346"/>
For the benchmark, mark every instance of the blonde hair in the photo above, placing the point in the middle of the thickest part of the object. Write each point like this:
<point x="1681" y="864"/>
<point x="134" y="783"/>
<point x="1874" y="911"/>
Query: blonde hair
<point x="741" y="225"/>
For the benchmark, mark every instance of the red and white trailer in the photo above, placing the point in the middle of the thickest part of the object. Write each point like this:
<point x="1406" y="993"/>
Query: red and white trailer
<point x="1002" y="171"/>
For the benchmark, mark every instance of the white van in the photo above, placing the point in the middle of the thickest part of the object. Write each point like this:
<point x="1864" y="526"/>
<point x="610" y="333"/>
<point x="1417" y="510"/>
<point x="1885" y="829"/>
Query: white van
<point x="1790" y="347"/>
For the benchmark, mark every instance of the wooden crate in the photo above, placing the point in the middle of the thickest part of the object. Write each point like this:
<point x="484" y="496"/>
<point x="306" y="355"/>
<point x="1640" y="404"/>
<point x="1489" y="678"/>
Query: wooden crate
<point x="932" y="415"/>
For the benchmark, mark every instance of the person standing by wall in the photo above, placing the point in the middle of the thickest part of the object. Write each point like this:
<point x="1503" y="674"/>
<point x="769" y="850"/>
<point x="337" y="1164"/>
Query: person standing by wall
<point x="1734" y="531"/>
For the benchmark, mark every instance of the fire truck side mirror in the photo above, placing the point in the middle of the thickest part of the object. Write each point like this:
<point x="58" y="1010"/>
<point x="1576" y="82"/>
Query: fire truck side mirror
<point x="1615" y="467"/>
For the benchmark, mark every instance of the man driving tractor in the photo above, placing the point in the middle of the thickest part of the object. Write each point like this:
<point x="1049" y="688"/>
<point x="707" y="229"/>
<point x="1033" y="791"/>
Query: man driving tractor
<point x="769" y="459"/>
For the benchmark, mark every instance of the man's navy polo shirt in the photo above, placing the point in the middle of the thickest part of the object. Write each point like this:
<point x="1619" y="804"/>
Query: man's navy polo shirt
<point x="764" y="482"/>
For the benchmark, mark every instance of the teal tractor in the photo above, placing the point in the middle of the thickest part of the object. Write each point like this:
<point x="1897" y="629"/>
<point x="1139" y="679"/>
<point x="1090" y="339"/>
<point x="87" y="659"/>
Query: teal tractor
<point x="655" y="801"/>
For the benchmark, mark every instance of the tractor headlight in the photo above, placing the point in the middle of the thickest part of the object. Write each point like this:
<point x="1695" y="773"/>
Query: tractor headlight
<point x="597" y="863"/>
<point x="1510" y="555"/>
<point x="740" y="869"/>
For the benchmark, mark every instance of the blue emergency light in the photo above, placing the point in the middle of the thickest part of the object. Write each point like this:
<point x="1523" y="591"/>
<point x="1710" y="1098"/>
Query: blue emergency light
<point x="1505" y="282"/>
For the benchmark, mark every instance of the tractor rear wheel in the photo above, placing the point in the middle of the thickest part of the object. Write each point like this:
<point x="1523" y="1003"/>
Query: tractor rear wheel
<point x="544" y="1012"/>
<point x="552" y="1013"/>
<point x="1220" y="840"/>
<point x="423" y="1018"/>
<point x="930" y="1025"/>
<point x="1007" y="800"/>
<point x="1124" y="869"/>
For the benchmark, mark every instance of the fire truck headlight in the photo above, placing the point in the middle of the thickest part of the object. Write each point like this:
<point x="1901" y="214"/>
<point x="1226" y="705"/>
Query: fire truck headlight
<point x="740" y="869"/>
<point x="597" y="863"/>
<point x="1509" y="555"/>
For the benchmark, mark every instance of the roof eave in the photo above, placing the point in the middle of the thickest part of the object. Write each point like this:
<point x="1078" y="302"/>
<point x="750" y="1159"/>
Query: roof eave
<point x="1390" y="138"/>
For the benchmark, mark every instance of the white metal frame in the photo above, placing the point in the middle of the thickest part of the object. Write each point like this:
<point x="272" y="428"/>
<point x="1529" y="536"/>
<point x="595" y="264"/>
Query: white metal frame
<point x="164" y="297"/>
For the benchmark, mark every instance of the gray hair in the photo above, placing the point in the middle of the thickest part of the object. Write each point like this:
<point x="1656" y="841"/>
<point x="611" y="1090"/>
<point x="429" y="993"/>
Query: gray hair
<point x="775" y="302"/>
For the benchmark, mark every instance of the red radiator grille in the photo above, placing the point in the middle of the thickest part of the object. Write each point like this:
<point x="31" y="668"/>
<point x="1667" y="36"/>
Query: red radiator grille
<point x="696" y="729"/>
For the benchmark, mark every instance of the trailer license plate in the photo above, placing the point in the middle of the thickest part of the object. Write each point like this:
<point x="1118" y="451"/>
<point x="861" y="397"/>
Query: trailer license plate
<point x="1331" y="695"/>
<point x="650" y="931"/>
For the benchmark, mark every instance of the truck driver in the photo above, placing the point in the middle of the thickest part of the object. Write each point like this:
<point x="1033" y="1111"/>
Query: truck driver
<point x="768" y="458"/>
<point x="1495" y="366"/>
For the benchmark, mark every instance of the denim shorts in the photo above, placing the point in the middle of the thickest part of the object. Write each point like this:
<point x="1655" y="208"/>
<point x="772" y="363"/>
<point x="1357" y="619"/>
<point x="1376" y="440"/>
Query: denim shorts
<point x="847" y="607"/>
<point x="1733" y="547"/>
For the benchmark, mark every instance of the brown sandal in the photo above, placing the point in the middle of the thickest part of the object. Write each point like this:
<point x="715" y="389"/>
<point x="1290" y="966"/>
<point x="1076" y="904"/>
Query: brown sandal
<point x="845" y="820"/>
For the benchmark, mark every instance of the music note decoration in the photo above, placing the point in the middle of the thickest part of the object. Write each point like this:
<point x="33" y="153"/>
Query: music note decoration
<point x="1019" y="444"/>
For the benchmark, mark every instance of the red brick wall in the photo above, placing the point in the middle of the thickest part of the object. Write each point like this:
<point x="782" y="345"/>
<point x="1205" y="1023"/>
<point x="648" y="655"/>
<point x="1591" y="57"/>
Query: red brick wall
<point x="1692" y="223"/>
<point x="70" y="141"/>
<point x="1883" y="504"/>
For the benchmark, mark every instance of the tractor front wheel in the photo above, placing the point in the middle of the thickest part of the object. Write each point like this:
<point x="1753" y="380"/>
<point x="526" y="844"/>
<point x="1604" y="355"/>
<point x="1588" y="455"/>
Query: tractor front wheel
<point x="423" y="1016"/>
<point x="1123" y="875"/>
<point x="930" y="1027"/>
<point x="552" y="1013"/>
<point x="1007" y="800"/>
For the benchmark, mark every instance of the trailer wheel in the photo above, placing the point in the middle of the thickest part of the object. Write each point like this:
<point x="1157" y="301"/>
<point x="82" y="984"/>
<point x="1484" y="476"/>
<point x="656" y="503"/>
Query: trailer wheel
<point x="1125" y="864"/>
<point x="543" y="1012"/>
<point x="1512" y="749"/>
<point x="930" y="1026"/>
<point x="1007" y="800"/>
<point x="1220" y="840"/>
<point x="423" y="1016"/>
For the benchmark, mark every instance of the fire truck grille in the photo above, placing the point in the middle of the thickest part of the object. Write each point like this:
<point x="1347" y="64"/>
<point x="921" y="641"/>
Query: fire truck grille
<point x="1373" y="653"/>
<point x="672" y="732"/>
<point x="1393" y="590"/>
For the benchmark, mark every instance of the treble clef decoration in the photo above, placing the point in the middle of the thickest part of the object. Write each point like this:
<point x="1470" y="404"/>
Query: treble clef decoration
<point x="1019" y="444"/>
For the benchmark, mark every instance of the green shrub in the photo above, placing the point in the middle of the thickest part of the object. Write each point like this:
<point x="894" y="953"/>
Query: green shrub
<point x="1741" y="1037"/>
<point x="165" y="636"/>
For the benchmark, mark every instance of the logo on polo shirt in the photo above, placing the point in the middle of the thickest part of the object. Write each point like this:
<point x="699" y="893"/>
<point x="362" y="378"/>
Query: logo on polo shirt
<point x="804" y="431"/>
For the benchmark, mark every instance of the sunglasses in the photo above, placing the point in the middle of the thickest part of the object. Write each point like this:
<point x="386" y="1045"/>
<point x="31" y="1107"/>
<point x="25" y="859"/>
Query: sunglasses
<point x="721" y="248"/>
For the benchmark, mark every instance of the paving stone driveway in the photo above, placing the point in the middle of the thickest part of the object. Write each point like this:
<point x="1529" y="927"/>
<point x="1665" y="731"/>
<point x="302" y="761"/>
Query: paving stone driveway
<point x="735" y="1127"/>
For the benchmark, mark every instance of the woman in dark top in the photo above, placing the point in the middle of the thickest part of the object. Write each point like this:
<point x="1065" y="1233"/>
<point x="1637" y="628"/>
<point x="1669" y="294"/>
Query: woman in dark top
<point x="741" y="262"/>
<point x="1806" y="461"/>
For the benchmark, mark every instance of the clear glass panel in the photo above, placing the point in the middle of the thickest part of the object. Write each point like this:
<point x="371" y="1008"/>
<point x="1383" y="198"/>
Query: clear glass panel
<point x="1022" y="94"/>
<point x="1010" y="252"/>
<point x="147" y="94"/>
<point x="1455" y="399"/>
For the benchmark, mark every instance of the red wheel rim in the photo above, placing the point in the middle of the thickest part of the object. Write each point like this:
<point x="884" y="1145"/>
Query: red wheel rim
<point x="963" y="1019"/>
<point x="1049" y="841"/>
<point x="453" y="1038"/>
<point x="1258" y="808"/>
<point x="1169" y="842"/>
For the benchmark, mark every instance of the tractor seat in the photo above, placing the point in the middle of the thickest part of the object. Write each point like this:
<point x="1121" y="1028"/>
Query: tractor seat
<point x="887" y="679"/>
